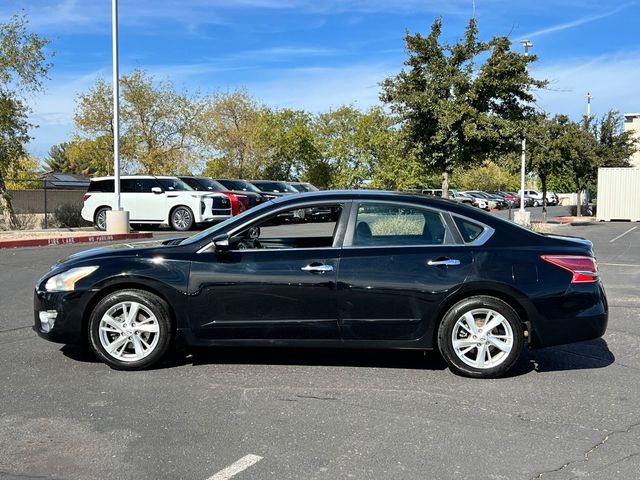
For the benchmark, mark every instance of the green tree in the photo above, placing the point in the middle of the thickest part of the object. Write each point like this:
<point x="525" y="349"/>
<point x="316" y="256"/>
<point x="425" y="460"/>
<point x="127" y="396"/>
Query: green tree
<point x="615" y="146"/>
<point x="459" y="104"/>
<point x="488" y="177"/>
<point x="159" y="128"/>
<point x="58" y="158"/>
<point x="23" y="69"/>
<point x="352" y="145"/>
<point x="234" y="130"/>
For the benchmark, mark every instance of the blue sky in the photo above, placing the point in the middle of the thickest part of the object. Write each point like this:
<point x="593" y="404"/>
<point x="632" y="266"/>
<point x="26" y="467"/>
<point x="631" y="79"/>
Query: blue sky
<point x="321" y="54"/>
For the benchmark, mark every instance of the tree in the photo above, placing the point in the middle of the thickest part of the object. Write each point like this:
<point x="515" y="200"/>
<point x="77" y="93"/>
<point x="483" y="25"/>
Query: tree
<point x="615" y="146"/>
<point x="23" y="68"/>
<point x="234" y="126"/>
<point x="352" y="145"/>
<point x="489" y="177"/>
<point x="158" y="127"/>
<point x="455" y="114"/>
<point x="58" y="158"/>
<point x="544" y="151"/>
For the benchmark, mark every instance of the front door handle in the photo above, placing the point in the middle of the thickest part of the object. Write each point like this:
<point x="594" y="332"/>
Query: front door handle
<point x="317" y="268"/>
<point x="443" y="262"/>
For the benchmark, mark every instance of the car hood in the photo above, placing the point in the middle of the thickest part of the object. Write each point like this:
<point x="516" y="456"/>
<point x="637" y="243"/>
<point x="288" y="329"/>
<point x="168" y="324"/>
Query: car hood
<point x="128" y="249"/>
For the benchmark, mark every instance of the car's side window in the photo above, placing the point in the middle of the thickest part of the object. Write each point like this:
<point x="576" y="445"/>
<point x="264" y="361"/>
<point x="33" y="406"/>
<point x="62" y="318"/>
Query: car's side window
<point x="128" y="186"/>
<point x="308" y="227"/>
<point x="145" y="185"/>
<point x="396" y="225"/>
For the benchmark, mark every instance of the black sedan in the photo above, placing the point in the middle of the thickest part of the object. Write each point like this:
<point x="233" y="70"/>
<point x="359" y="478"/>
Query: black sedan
<point x="391" y="270"/>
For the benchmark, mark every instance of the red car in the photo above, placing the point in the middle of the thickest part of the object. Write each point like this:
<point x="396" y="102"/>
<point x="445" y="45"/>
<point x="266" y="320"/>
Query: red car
<point x="239" y="202"/>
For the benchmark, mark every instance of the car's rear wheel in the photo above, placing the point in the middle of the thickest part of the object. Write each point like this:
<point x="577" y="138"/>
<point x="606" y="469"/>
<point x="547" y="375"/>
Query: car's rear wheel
<point x="182" y="219"/>
<point x="130" y="329"/>
<point x="481" y="337"/>
<point x="100" y="218"/>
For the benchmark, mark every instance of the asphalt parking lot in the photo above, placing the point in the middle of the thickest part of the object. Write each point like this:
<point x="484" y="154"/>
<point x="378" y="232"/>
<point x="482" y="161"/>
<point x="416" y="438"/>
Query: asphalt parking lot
<point x="565" y="412"/>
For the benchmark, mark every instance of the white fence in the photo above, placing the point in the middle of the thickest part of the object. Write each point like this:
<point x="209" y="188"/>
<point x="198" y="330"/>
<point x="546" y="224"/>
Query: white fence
<point x="618" y="194"/>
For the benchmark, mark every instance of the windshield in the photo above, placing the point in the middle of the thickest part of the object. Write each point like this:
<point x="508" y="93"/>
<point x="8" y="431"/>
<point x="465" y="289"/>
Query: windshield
<point x="173" y="184"/>
<point x="211" y="184"/>
<point x="239" y="185"/>
<point x="304" y="187"/>
<point x="219" y="227"/>
<point x="277" y="187"/>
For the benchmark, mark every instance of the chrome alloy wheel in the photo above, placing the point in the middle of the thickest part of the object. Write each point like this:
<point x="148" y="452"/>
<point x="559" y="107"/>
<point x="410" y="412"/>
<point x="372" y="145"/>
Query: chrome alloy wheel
<point x="101" y="219"/>
<point x="182" y="218"/>
<point x="482" y="338"/>
<point x="129" y="331"/>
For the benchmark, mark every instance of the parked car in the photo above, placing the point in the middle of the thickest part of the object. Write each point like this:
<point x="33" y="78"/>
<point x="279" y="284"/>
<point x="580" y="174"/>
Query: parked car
<point x="303" y="187"/>
<point x="253" y="193"/>
<point x="488" y="202"/>
<point x="239" y="201"/>
<point x="273" y="188"/>
<point x="160" y="200"/>
<point x="453" y="195"/>
<point x="528" y="200"/>
<point x="512" y="200"/>
<point x="552" y="198"/>
<point x="495" y="201"/>
<point x="393" y="271"/>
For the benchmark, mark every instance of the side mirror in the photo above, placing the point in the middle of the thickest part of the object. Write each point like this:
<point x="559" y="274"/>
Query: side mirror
<point x="156" y="190"/>
<point x="221" y="242"/>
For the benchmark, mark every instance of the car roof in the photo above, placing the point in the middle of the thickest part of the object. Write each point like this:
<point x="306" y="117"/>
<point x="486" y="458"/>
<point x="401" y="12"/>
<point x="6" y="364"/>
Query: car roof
<point x="129" y="177"/>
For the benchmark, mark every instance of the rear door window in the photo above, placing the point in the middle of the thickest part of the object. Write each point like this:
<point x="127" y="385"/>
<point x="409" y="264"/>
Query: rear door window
<point x="397" y="225"/>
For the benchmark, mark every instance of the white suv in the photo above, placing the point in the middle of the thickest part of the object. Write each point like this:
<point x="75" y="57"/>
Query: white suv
<point x="154" y="200"/>
<point x="552" y="198"/>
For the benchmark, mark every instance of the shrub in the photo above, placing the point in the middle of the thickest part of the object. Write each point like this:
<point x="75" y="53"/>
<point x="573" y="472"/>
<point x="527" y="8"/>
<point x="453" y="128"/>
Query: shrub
<point x="68" y="215"/>
<point x="398" y="225"/>
<point x="23" y="220"/>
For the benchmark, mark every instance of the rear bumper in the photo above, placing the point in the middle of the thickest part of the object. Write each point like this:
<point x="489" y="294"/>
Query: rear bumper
<point x="581" y="313"/>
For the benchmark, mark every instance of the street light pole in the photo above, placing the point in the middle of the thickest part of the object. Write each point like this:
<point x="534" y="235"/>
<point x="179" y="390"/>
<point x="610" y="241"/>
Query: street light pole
<point x="589" y="97"/>
<point x="117" y="220"/>
<point x="521" y="218"/>
<point x="116" y="103"/>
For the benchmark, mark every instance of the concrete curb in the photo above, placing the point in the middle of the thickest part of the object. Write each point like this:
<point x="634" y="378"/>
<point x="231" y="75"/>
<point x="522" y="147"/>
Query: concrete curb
<point x="581" y="220"/>
<point x="96" y="238"/>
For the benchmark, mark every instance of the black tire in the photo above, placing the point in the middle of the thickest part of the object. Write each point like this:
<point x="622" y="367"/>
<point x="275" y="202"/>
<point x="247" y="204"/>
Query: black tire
<point x="181" y="218"/>
<point x="100" y="218"/>
<point x="450" y="326"/>
<point x="536" y="203"/>
<point x="126" y="360"/>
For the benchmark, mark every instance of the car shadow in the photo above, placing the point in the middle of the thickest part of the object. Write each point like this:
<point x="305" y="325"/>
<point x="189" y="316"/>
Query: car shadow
<point x="327" y="357"/>
<point x="591" y="354"/>
<point x="586" y="355"/>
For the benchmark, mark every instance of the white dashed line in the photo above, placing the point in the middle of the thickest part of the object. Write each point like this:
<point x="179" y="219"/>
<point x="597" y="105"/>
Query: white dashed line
<point x="236" y="467"/>
<point x="622" y="234"/>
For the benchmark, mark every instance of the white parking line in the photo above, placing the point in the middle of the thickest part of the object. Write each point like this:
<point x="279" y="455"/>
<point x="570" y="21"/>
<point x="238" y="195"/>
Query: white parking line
<point x="236" y="467"/>
<point x="622" y="234"/>
<point x="618" y="264"/>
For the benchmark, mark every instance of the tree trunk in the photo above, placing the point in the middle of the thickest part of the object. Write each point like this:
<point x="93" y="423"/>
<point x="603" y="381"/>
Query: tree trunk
<point x="543" y="180"/>
<point x="6" y="212"/>
<point x="579" y="208"/>
<point x="445" y="184"/>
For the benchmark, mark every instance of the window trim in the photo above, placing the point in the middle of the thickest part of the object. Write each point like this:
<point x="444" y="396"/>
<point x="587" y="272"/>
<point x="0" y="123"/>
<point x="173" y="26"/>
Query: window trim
<point x="481" y="239"/>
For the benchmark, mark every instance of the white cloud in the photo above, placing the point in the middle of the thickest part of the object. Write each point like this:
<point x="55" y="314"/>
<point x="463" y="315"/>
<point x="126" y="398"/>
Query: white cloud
<point x="612" y="80"/>
<point x="575" y="23"/>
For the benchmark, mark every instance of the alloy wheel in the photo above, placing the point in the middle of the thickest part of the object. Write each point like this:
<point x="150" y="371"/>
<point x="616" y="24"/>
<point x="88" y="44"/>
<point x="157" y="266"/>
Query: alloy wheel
<point x="482" y="338"/>
<point x="182" y="219"/>
<point x="129" y="331"/>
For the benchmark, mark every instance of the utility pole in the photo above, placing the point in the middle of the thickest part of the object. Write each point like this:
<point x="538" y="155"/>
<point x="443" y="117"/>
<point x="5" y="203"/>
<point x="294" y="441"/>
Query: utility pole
<point x="588" y="97"/>
<point x="522" y="217"/>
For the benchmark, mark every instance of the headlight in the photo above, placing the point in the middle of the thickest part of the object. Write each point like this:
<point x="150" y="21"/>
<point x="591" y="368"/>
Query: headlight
<point x="66" y="281"/>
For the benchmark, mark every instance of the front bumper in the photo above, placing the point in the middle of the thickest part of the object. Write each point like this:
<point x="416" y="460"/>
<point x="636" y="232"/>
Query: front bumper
<point x="69" y="307"/>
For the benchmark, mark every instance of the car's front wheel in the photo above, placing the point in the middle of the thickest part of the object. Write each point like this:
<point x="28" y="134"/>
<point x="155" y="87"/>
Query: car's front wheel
<point x="481" y="337"/>
<point x="182" y="219"/>
<point x="130" y="329"/>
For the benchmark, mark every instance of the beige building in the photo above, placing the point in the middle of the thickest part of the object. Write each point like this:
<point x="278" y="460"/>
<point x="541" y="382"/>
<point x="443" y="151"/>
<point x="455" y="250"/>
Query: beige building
<point x="632" y="123"/>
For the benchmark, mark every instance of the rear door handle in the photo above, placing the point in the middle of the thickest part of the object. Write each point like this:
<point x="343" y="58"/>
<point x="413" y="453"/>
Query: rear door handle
<point x="443" y="262"/>
<point x="317" y="268"/>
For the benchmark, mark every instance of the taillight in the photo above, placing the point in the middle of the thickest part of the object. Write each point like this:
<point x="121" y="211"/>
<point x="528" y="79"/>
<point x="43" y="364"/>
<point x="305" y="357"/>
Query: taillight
<point x="85" y="197"/>
<point x="583" y="268"/>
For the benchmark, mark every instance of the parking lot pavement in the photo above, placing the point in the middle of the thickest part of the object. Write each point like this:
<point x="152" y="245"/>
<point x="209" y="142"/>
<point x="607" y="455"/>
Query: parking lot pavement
<point x="565" y="412"/>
